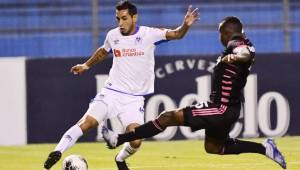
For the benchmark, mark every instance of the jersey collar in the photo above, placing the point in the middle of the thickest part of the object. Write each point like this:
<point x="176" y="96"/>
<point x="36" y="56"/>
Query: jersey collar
<point x="137" y="28"/>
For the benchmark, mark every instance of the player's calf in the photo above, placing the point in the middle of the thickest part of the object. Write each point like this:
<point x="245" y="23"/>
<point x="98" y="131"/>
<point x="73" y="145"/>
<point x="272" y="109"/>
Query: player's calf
<point x="136" y="143"/>
<point x="170" y="118"/>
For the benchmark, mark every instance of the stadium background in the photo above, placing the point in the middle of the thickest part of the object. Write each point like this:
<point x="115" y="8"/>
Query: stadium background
<point x="41" y="39"/>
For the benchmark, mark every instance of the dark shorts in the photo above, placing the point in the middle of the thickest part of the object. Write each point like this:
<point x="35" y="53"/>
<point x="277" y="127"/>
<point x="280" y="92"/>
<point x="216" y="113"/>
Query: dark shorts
<point x="216" y="119"/>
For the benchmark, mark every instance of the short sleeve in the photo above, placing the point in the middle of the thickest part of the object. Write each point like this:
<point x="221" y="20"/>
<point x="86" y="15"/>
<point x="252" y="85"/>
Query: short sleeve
<point x="106" y="45"/>
<point x="158" y="34"/>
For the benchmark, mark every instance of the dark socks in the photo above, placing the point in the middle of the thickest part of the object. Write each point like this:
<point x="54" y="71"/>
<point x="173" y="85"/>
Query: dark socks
<point x="146" y="130"/>
<point x="235" y="146"/>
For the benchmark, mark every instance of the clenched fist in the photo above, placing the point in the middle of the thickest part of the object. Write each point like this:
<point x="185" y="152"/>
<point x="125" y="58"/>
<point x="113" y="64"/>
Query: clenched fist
<point x="79" y="68"/>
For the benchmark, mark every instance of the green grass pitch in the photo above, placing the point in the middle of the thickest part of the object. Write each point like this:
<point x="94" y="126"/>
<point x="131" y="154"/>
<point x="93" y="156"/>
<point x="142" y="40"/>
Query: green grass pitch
<point x="168" y="155"/>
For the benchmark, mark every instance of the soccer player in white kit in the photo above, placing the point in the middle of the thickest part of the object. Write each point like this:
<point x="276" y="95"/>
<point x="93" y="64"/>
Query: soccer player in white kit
<point x="130" y="78"/>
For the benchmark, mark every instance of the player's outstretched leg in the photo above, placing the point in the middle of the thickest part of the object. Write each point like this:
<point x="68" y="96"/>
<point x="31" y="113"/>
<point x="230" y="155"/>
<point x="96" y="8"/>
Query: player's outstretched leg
<point x="149" y="129"/>
<point x="69" y="139"/>
<point x="52" y="159"/>
<point x="273" y="152"/>
<point x="146" y="130"/>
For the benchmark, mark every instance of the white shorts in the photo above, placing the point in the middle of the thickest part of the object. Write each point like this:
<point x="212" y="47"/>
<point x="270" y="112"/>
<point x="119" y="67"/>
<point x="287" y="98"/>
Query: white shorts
<point x="108" y="104"/>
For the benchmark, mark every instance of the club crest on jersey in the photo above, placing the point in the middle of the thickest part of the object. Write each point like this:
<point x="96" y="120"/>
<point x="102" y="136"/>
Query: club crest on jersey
<point x="138" y="39"/>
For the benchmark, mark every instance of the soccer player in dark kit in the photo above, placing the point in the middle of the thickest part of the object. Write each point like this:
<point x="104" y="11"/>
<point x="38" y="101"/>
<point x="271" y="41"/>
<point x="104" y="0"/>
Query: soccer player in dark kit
<point x="218" y="115"/>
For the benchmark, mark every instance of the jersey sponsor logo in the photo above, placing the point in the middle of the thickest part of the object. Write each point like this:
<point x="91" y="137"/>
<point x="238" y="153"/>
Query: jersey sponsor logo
<point x="128" y="52"/>
<point x="237" y="43"/>
<point x="117" y="53"/>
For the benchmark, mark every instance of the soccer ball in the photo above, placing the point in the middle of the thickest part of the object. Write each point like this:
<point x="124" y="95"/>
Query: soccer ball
<point x="74" y="162"/>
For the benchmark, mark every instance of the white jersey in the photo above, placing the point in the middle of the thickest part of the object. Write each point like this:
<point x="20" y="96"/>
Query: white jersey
<point x="132" y="71"/>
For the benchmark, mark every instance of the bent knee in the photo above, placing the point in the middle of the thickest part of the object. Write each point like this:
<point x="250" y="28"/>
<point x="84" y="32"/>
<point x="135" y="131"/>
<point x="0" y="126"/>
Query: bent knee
<point x="213" y="149"/>
<point x="171" y="118"/>
<point x="87" y="123"/>
<point x="136" y="143"/>
<point x="167" y="116"/>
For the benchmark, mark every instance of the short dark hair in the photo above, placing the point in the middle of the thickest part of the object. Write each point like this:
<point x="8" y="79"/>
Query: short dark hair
<point x="125" y="4"/>
<point x="231" y="23"/>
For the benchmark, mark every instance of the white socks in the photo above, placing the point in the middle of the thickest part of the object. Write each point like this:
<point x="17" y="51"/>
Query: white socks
<point x="72" y="135"/>
<point x="126" y="152"/>
<point x="69" y="138"/>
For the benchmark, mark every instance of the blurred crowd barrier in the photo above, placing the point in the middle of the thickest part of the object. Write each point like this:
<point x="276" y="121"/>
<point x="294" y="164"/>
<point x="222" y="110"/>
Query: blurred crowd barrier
<point x="41" y="99"/>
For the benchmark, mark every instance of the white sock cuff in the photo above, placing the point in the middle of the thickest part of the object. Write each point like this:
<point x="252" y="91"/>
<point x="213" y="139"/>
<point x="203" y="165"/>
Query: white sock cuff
<point x="76" y="130"/>
<point x="126" y="152"/>
<point x="127" y="145"/>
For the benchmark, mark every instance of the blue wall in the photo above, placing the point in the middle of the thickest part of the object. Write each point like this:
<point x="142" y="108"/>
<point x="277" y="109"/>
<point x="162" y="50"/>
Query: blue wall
<point x="63" y="28"/>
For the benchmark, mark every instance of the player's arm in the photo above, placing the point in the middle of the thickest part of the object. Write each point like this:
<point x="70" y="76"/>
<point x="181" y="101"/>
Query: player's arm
<point x="240" y="54"/>
<point x="98" y="56"/>
<point x="190" y="17"/>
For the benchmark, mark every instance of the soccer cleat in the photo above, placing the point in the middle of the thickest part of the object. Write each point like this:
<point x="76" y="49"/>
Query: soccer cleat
<point x="121" y="165"/>
<point x="273" y="153"/>
<point x="109" y="137"/>
<point x="52" y="159"/>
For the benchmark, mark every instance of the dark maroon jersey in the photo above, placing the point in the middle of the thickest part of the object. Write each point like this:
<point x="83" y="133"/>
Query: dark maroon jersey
<point x="228" y="80"/>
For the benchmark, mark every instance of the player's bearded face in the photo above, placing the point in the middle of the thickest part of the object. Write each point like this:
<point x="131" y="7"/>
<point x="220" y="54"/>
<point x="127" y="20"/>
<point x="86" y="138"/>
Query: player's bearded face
<point x="126" y="22"/>
<point x="223" y="39"/>
<point x="222" y="35"/>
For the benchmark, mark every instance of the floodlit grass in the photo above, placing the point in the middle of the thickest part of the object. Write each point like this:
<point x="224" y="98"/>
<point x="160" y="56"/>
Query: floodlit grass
<point x="169" y="155"/>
